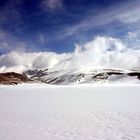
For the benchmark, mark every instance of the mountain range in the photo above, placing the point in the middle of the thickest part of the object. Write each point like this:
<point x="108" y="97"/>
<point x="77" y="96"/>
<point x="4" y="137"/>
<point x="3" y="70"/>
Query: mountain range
<point x="70" y="77"/>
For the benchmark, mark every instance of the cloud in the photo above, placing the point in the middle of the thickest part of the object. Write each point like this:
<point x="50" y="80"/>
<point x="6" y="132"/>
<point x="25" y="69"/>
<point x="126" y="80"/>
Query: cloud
<point x="101" y="52"/>
<point x="117" y="13"/>
<point x="42" y="39"/>
<point x="11" y="43"/>
<point x="6" y="14"/>
<point x="10" y="19"/>
<point x="4" y="45"/>
<point x="131" y="16"/>
<point x="132" y="38"/>
<point x="51" y="5"/>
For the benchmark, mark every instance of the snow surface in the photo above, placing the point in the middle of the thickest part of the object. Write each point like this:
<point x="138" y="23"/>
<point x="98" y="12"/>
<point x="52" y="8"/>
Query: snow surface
<point x="79" y="112"/>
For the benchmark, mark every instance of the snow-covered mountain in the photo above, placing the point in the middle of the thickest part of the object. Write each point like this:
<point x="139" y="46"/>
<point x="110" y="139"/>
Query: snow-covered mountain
<point x="80" y="76"/>
<point x="71" y="77"/>
<point x="103" y="59"/>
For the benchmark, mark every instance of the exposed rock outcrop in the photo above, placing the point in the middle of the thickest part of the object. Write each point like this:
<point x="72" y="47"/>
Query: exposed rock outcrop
<point x="12" y="78"/>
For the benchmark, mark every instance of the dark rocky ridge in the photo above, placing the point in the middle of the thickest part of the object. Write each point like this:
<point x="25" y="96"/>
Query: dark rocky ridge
<point x="12" y="78"/>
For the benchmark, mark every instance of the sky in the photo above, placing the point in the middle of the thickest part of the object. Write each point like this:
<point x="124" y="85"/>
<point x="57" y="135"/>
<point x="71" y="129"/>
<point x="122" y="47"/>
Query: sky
<point x="58" y="25"/>
<point x="67" y="35"/>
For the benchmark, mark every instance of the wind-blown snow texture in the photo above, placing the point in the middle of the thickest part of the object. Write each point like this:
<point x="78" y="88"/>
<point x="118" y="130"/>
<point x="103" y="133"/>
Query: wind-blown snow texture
<point x="101" y="52"/>
<point x="41" y="112"/>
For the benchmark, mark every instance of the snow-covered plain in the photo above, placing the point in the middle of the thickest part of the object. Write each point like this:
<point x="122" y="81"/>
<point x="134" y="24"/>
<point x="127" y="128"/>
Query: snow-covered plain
<point x="80" y="112"/>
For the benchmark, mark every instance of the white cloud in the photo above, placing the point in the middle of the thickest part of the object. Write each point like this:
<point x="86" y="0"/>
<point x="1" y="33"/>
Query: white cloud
<point x="120" y="12"/>
<point x="42" y="39"/>
<point x="51" y="5"/>
<point x="4" y="45"/>
<point x="101" y="52"/>
<point x="133" y="38"/>
<point x="131" y="16"/>
<point x="9" y="42"/>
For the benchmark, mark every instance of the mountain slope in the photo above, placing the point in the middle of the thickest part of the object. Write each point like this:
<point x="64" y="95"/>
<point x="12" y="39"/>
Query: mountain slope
<point x="12" y="78"/>
<point x="77" y="77"/>
<point x="70" y="77"/>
